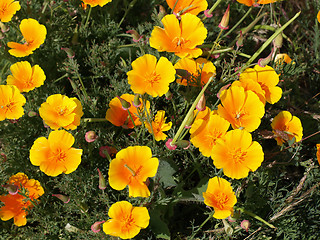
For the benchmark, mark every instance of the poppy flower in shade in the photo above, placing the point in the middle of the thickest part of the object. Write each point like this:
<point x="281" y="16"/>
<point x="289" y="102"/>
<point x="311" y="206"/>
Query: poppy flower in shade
<point x="241" y="108"/>
<point x="34" y="35"/>
<point x="7" y="9"/>
<point x="249" y="3"/>
<point x="61" y="111"/>
<point x="55" y="155"/>
<point x="25" y="77"/>
<point x="132" y="166"/>
<point x="94" y="3"/>
<point x="318" y="16"/>
<point x="318" y="152"/>
<point x="204" y="134"/>
<point x="199" y="71"/>
<point x="286" y="127"/>
<point x="267" y="78"/>
<point x="220" y="196"/>
<point x="126" y="221"/>
<point x="237" y="154"/>
<point x="181" y="38"/>
<point x="11" y="102"/>
<point x="151" y="77"/>
<point x="159" y="126"/>
<point x="281" y="58"/>
<point x="188" y="6"/>
<point x="120" y="117"/>
<point x="17" y="206"/>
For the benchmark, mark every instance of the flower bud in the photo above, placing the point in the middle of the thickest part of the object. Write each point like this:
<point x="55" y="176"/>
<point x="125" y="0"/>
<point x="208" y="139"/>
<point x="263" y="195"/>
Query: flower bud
<point x="169" y="146"/>
<point x="136" y="37"/>
<point x="277" y="42"/>
<point x="12" y="189"/>
<point x="201" y="106"/>
<point x="168" y="95"/>
<point x="96" y="227"/>
<point x="225" y="19"/>
<point x="69" y="52"/>
<point x="262" y="62"/>
<point x="102" y="181"/>
<point x="162" y="12"/>
<point x="91" y="136"/>
<point x="185" y="144"/>
<point x="189" y="121"/>
<point x="32" y="114"/>
<point x="239" y="42"/>
<point x="63" y="198"/>
<point x="125" y="104"/>
<point x="245" y="224"/>
<point x="222" y="89"/>
<point x="3" y="27"/>
<point x="136" y="101"/>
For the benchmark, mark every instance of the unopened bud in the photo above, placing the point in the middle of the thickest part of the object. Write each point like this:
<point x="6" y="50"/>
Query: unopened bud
<point x="189" y="121"/>
<point x="69" y="52"/>
<point x="63" y="198"/>
<point x="12" y="189"/>
<point x="245" y="224"/>
<point x="91" y="136"/>
<point x="277" y="42"/>
<point x="102" y="181"/>
<point x="168" y="95"/>
<point x="136" y="101"/>
<point x="96" y="227"/>
<point x="262" y="62"/>
<point x="225" y="19"/>
<point x="136" y="37"/>
<point x="3" y="27"/>
<point x="125" y="104"/>
<point x="239" y="42"/>
<point x="32" y="114"/>
<point x="185" y="144"/>
<point x="201" y="106"/>
<point x="162" y="12"/>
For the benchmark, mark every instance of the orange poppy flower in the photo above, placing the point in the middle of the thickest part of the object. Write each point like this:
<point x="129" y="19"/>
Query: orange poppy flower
<point x="94" y="3"/>
<point x="126" y="221"/>
<point x="25" y="77"/>
<point x="286" y="127"/>
<point x="159" y="126"/>
<point x="120" y="117"/>
<point x="11" y="102"/>
<point x="34" y="35"/>
<point x="318" y="152"/>
<point x="61" y="111"/>
<point x="198" y="71"/>
<point x="267" y="78"/>
<point x="237" y="154"/>
<point x="16" y="206"/>
<point x="132" y="166"/>
<point x="151" y="77"/>
<point x="318" y="16"/>
<point x="281" y="58"/>
<point x="55" y="155"/>
<point x="249" y="3"/>
<point x="204" y="133"/>
<point x="188" y="6"/>
<point x="220" y="196"/>
<point x="241" y="108"/>
<point x="7" y="9"/>
<point x="181" y="38"/>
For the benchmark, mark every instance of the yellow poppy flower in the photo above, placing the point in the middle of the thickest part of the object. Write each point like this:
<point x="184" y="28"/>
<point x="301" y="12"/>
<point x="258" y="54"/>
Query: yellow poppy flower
<point x="11" y="102"/>
<point x="94" y="3"/>
<point x="61" y="111"/>
<point x="220" y="196"/>
<point x="132" y="166"/>
<point x="249" y="84"/>
<point x="55" y="155"/>
<point x="16" y="206"/>
<point x="282" y="57"/>
<point x="151" y="77"/>
<point x="286" y="127"/>
<point x="241" y="108"/>
<point x="188" y="6"/>
<point x="126" y="221"/>
<point x="7" y="9"/>
<point x="237" y="154"/>
<point x="318" y="152"/>
<point x="181" y="38"/>
<point x="267" y="78"/>
<point x="318" y="16"/>
<point x="120" y="117"/>
<point x="199" y="71"/>
<point x="249" y="3"/>
<point x="204" y="133"/>
<point x="159" y="126"/>
<point x="25" y="77"/>
<point x="34" y="35"/>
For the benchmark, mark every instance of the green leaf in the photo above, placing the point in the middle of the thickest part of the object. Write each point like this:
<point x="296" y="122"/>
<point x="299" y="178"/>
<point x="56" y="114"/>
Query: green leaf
<point x="158" y="226"/>
<point x="165" y="173"/>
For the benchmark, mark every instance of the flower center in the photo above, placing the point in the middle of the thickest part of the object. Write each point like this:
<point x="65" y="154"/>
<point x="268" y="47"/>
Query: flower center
<point x="153" y="78"/>
<point x="8" y="107"/>
<point x="61" y="110"/>
<point x="238" y="156"/>
<point x="220" y="200"/>
<point x="127" y="222"/>
<point x="58" y="155"/>
<point x="178" y="42"/>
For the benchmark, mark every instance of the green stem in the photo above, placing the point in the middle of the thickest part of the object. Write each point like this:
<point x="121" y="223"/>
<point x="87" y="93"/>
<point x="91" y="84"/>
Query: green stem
<point x="254" y="216"/>
<point x="212" y="8"/>
<point x="134" y="125"/>
<point x="148" y="120"/>
<point x="87" y="20"/>
<point x="202" y="224"/>
<point x="94" y="120"/>
<point x="174" y="6"/>
<point x="214" y="44"/>
<point x="127" y="11"/>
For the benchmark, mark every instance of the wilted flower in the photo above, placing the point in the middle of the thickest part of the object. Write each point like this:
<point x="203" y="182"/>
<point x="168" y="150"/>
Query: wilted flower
<point x="96" y="227"/>
<point x="7" y="9"/>
<point x="181" y="38"/>
<point x="286" y="127"/>
<point x="91" y="136"/>
<point x="126" y="221"/>
<point x="34" y="35"/>
<point x="159" y="126"/>
<point x="104" y="150"/>
<point x="94" y="3"/>
<point x="61" y="111"/>
<point x="220" y="196"/>
<point x="25" y="77"/>
<point x="132" y="166"/>
<point x="237" y="154"/>
<point x="63" y="198"/>
<point x="188" y="6"/>
<point x="11" y="102"/>
<point x="136" y="37"/>
<point x="245" y="224"/>
<point x="55" y="155"/>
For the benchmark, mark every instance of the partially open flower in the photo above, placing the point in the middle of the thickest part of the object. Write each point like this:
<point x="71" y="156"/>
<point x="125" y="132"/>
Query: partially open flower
<point x="159" y="126"/>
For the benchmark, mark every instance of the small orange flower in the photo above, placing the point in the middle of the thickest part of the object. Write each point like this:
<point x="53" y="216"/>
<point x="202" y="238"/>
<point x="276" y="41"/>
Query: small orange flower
<point x="281" y="58"/>
<point x="188" y="6"/>
<point x="16" y="206"/>
<point x="61" y="111"/>
<point x="220" y="196"/>
<point x="241" y="108"/>
<point x="249" y="3"/>
<point x="318" y="152"/>
<point x="126" y="221"/>
<point x="55" y="155"/>
<point x="237" y="154"/>
<point x="7" y="9"/>
<point x="34" y="35"/>
<point x="199" y="71"/>
<point x="286" y="127"/>
<point x="25" y="77"/>
<point x="120" y="117"/>
<point x="132" y="166"/>
<point x="94" y="3"/>
<point x="159" y="126"/>
<point x="181" y="38"/>
<point x="11" y="102"/>
<point x="151" y="77"/>
<point x="267" y="78"/>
